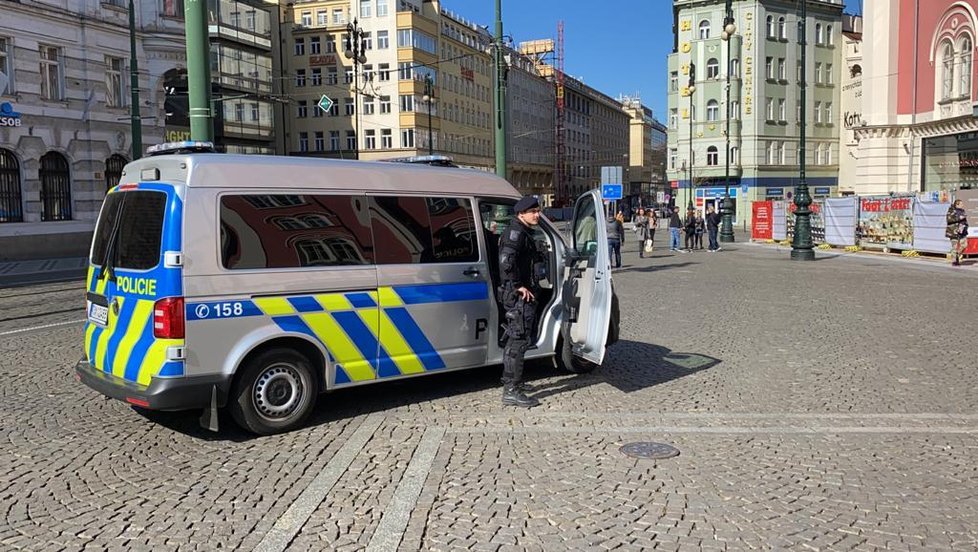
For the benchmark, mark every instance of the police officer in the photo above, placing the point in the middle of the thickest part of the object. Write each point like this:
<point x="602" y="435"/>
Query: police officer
<point x="517" y="254"/>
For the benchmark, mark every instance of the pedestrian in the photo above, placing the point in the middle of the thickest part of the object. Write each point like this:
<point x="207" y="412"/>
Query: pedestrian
<point x="653" y="223"/>
<point x="957" y="231"/>
<point x="700" y="229"/>
<point x="689" y="225"/>
<point x="616" y="237"/>
<point x="517" y="253"/>
<point x="675" y="225"/>
<point x="713" y="227"/>
<point x="641" y="232"/>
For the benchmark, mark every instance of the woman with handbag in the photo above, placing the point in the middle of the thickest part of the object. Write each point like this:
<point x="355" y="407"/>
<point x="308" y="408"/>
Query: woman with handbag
<point x="957" y="231"/>
<point x="642" y="233"/>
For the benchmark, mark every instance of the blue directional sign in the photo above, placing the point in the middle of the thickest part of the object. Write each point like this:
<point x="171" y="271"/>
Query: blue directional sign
<point x="325" y="103"/>
<point x="611" y="191"/>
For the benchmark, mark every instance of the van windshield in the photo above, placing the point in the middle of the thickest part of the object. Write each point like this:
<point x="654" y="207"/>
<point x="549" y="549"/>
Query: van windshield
<point x="137" y="218"/>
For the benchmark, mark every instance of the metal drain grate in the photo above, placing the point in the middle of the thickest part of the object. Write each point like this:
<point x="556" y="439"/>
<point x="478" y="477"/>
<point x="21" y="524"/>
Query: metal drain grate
<point x="648" y="449"/>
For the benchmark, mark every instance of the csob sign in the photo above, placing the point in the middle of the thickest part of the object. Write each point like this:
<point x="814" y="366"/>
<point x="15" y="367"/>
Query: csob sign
<point x="8" y="117"/>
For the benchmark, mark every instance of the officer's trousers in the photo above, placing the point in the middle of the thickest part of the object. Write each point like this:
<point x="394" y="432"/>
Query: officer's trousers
<point x="520" y="324"/>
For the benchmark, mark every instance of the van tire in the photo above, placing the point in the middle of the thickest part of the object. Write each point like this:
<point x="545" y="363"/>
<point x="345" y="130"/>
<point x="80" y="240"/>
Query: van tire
<point x="275" y="392"/>
<point x="573" y="364"/>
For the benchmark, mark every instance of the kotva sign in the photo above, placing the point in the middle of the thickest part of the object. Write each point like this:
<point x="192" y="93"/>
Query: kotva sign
<point x="8" y="117"/>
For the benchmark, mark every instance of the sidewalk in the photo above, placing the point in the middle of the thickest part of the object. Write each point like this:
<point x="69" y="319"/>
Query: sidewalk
<point x="16" y="273"/>
<point x="929" y="261"/>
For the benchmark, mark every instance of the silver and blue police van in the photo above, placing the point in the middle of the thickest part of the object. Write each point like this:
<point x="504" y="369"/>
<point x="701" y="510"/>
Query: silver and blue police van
<point x="256" y="283"/>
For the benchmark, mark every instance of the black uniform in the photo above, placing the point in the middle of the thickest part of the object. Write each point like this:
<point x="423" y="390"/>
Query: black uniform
<point x="517" y="254"/>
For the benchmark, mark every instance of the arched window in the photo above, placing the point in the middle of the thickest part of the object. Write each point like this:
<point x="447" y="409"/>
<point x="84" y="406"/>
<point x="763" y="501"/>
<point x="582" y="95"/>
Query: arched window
<point x="735" y="68"/>
<point x="113" y="170"/>
<point x="829" y="38"/>
<point x="967" y="60"/>
<point x="735" y="109"/>
<point x="770" y="26"/>
<point x="734" y="155"/>
<point x="55" y="187"/>
<point x="11" y="209"/>
<point x="712" y="156"/>
<point x="782" y="29"/>
<point x="819" y="34"/>
<point x="704" y="29"/>
<point x="712" y="68"/>
<point x="712" y="110"/>
<point x="947" y="78"/>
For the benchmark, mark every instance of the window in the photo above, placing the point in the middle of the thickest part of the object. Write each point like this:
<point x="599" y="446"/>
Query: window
<point x="381" y="8"/>
<point x="351" y="140"/>
<point x="828" y="112"/>
<point x="303" y="141"/>
<point x="114" y="92"/>
<point x="322" y="18"/>
<point x="704" y="29"/>
<point x="172" y="8"/>
<point x="828" y="154"/>
<point x="348" y="76"/>
<point x="7" y="66"/>
<point x="799" y="74"/>
<point x="113" y="171"/>
<point x="674" y="118"/>
<point x="770" y="27"/>
<point x="712" y="156"/>
<point x="255" y="111"/>
<point x="829" y="37"/>
<point x="798" y="111"/>
<point x="11" y="208"/>
<point x="302" y="110"/>
<point x="368" y="41"/>
<point x="330" y="44"/>
<point x="818" y="112"/>
<point x="772" y="153"/>
<point x="673" y="155"/>
<point x="967" y="58"/>
<point x="782" y="115"/>
<point x="712" y="68"/>
<point x="348" y="107"/>
<point x="386" y="138"/>
<point x="783" y="153"/>
<point x="315" y="45"/>
<point x="770" y="109"/>
<point x="300" y="77"/>
<point x="734" y="155"/>
<point x="331" y="77"/>
<point x="366" y="8"/>
<point x="55" y="187"/>
<point x="334" y="140"/>
<point x="735" y="68"/>
<point x="423" y="230"/>
<point x="385" y="104"/>
<point x="407" y="138"/>
<point x="782" y="29"/>
<point x="323" y="230"/>
<point x="51" y="88"/>
<point x="769" y="68"/>
<point x="300" y="46"/>
<point x="818" y="73"/>
<point x="384" y="72"/>
<point x="735" y="109"/>
<point x="320" y="141"/>
<point x="368" y="105"/>
<point x="316" y="79"/>
<point x="818" y="155"/>
<point x="828" y="73"/>
<point x="782" y="69"/>
<point x="338" y="18"/>
<point x="306" y="19"/>
<point x="712" y="110"/>
<point x="948" y="77"/>
<point x="383" y="40"/>
<point x="819" y="34"/>
<point x="407" y="103"/>
<point x="141" y="213"/>
<point x="370" y="139"/>
<point x="674" y="81"/>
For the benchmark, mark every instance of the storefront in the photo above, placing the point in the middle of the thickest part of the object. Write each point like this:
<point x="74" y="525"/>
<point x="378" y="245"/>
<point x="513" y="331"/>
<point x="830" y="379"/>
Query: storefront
<point x="950" y="162"/>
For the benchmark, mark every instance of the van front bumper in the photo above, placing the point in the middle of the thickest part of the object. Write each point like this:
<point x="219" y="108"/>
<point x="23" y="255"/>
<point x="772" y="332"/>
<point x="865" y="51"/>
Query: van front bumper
<point x="179" y="393"/>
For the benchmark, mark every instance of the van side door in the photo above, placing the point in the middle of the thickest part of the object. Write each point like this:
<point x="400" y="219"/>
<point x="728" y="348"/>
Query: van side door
<point x="433" y="285"/>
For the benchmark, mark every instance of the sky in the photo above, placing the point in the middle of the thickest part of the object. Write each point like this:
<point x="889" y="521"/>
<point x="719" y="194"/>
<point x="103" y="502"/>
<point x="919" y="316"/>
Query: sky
<point x="618" y="47"/>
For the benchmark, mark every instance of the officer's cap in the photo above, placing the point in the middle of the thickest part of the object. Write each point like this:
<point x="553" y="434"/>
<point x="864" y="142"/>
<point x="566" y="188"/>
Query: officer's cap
<point x="525" y="204"/>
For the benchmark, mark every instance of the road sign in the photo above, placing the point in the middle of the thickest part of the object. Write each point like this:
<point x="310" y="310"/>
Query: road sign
<point x="611" y="191"/>
<point x="325" y="103"/>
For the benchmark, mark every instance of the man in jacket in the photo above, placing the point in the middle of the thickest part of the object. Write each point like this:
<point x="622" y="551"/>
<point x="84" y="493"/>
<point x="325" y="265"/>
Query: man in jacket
<point x="675" y="225"/>
<point x="713" y="227"/>
<point x="616" y="236"/>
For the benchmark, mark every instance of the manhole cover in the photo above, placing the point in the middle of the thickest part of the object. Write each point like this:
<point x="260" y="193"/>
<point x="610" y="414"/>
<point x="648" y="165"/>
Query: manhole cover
<point x="646" y="449"/>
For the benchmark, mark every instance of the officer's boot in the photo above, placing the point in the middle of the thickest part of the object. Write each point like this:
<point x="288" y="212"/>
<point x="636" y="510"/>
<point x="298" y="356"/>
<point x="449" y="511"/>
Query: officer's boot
<point x="512" y="396"/>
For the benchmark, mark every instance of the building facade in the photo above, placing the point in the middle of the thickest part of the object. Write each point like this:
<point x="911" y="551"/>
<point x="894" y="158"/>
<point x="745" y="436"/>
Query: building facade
<point x="763" y="59"/>
<point x="920" y="131"/>
<point x="850" y="76"/>
<point x="645" y="168"/>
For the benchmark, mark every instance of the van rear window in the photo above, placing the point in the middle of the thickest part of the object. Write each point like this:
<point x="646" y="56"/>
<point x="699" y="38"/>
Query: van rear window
<point x="130" y="230"/>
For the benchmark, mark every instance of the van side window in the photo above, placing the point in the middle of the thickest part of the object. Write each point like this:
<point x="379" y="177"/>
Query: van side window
<point x="289" y="231"/>
<point x="423" y="230"/>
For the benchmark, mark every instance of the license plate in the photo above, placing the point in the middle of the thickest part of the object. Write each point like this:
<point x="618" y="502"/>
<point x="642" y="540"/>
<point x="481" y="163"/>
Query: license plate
<point x="98" y="314"/>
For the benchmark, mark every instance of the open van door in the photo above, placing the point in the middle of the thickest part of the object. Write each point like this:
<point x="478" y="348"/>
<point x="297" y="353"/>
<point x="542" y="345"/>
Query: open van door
<point x="588" y="295"/>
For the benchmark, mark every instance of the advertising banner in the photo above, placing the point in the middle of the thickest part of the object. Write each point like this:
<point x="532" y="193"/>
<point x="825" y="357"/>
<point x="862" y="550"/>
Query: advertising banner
<point x="818" y="225"/>
<point x="840" y="217"/>
<point x="929" y="225"/>
<point x="761" y="221"/>
<point x="885" y="222"/>
<point x="779" y="227"/>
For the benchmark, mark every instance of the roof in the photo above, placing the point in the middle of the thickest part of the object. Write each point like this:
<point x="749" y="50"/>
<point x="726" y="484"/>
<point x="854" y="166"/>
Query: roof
<point x="218" y="170"/>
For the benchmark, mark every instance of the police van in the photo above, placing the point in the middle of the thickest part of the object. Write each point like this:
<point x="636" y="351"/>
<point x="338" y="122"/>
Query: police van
<point x="257" y="283"/>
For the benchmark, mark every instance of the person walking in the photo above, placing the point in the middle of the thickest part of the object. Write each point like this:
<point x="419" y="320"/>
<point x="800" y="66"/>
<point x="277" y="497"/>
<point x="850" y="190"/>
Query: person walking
<point x="616" y="237"/>
<point x="641" y="232"/>
<point x="517" y="253"/>
<point x="653" y="223"/>
<point x="675" y="225"/>
<point x="713" y="228"/>
<point x="700" y="229"/>
<point x="957" y="231"/>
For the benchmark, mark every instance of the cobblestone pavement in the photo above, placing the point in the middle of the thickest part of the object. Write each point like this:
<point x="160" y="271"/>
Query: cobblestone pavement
<point x="828" y="405"/>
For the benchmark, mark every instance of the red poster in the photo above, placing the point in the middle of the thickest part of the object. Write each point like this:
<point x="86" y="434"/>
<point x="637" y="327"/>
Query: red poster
<point x="761" y="222"/>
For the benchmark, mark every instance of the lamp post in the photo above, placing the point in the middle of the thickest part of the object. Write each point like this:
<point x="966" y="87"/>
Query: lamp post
<point x="135" y="123"/>
<point x="726" y="208"/>
<point x="691" y="87"/>
<point x="802" y="248"/>
<point x="356" y="50"/>
<point x="429" y="96"/>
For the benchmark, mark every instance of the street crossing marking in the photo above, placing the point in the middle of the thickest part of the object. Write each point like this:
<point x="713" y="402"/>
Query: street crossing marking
<point x="45" y="326"/>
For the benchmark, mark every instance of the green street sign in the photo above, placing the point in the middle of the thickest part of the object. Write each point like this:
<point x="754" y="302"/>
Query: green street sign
<point x="325" y="103"/>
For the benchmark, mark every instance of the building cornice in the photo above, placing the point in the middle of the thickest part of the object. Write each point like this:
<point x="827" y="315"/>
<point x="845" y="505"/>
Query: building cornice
<point x="943" y="127"/>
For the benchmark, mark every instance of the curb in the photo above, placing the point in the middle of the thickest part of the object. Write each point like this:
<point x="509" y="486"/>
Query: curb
<point x="920" y="262"/>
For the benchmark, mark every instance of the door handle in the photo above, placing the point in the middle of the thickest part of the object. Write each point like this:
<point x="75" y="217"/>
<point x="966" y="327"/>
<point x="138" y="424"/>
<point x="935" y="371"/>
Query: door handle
<point x="471" y="272"/>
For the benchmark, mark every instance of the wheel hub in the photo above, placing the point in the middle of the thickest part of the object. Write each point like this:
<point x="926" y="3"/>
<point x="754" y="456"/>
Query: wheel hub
<point x="278" y="391"/>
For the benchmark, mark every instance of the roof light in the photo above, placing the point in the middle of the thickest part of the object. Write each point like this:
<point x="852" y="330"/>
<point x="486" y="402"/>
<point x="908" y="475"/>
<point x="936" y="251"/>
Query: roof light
<point x="185" y="146"/>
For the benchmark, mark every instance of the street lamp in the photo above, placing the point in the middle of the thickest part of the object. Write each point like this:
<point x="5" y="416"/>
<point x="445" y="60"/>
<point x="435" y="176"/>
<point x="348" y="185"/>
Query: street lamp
<point x="726" y="208"/>
<point x="356" y="48"/>
<point x="429" y="96"/>
<point x="691" y="87"/>
<point x="802" y="248"/>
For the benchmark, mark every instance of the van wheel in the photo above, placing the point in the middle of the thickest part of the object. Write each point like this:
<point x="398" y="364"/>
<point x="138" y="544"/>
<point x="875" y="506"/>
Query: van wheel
<point x="274" y="393"/>
<point x="571" y="363"/>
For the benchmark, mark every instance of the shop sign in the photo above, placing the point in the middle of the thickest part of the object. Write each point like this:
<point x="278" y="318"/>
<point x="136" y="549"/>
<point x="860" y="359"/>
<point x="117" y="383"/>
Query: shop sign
<point x="761" y="221"/>
<point x="823" y="191"/>
<point x="322" y="59"/>
<point x="468" y="74"/>
<point x="9" y="117"/>
<point x="774" y="192"/>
